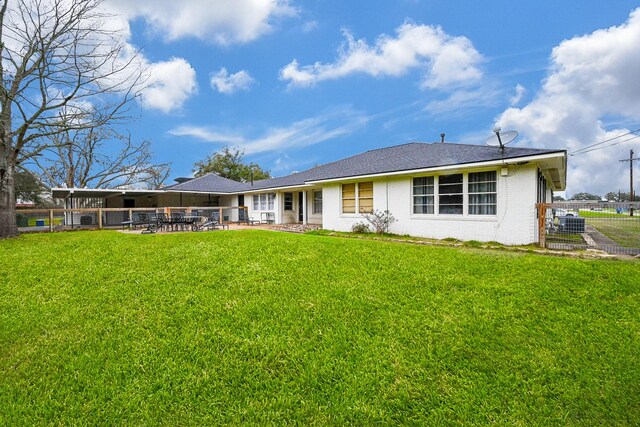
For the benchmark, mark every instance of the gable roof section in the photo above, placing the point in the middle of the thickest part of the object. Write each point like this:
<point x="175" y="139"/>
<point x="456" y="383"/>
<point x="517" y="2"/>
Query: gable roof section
<point x="405" y="157"/>
<point x="210" y="183"/>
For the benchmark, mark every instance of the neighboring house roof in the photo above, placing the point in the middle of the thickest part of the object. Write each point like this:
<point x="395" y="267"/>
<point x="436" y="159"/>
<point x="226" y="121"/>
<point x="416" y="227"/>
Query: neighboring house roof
<point x="405" y="157"/>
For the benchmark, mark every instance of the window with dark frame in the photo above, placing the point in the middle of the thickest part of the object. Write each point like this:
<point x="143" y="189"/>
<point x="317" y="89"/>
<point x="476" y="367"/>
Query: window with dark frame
<point x="288" y="201"/>
<point x="450" y="194"/>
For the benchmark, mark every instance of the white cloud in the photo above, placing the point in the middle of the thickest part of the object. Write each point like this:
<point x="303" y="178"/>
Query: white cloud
<point x="227" y="83"/>
<point x="302" y="133"/>
<point x="592" y="78"/>
<point x="445" y="60"/>
<point x="309" y="26"/>
<point x="220" y="21"/>
<point x="171" y="83"/>
<point x="464" y="100"/>
<point x="520" y="91"/>
<point x="207" y="134"/>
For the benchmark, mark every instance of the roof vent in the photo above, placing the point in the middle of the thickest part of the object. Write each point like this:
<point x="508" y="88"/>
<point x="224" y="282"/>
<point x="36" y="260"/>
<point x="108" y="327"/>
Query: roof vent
<point x="442" y="138"/>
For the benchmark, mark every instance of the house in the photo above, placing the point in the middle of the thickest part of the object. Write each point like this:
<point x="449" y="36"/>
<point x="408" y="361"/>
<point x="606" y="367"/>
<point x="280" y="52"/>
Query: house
<point x="435" y="190"/>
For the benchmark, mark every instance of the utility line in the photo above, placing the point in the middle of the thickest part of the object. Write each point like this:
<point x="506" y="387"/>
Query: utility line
<point x="584" y="150"/>
<point x="578" y="151"/>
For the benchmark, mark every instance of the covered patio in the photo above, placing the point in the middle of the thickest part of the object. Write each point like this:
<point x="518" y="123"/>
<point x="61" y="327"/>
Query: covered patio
<point x="112" y="207"/>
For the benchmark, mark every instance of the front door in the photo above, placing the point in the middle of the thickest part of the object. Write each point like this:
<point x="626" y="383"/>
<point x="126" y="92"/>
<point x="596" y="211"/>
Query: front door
<point x="300" y="207"/>
<point x="241" y="212"/>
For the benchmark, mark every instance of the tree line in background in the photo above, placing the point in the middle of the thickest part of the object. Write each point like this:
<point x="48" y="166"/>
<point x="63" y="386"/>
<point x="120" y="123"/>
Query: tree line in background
<point x="612" y="196"/>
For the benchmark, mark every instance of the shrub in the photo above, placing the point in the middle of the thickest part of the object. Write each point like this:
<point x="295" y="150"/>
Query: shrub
<point x="380" y="220"/>
<point x="360" y="227"/>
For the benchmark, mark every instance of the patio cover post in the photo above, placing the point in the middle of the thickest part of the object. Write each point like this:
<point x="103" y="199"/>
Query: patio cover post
<point x="304" y="207"/>
<point x="221" y="219"/>
<point x="100" y="219"/>
<point x="51" y="220"/>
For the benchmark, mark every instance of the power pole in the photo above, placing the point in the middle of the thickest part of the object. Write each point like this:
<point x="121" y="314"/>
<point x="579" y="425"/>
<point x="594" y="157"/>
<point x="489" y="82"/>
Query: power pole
<point x="631" y="198"/>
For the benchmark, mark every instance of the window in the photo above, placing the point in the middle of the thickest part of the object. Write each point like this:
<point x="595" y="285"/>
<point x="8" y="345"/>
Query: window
<point x="264" y="201"/>
<point x="317" y="202"/>
<point x="450" y="190"/>
<point x="542" y="188"/>
<point x="482" y="193"/>
<point x="365" y="197"/>
<point x="423" y="197"/>
<point x="357" y="197"/>
<point x="288" y="201"/>
<point x="348" y="198"/>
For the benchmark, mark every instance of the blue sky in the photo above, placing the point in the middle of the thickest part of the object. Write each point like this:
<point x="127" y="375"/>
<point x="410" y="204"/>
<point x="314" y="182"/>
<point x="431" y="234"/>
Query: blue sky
<point x="299" y="83"/>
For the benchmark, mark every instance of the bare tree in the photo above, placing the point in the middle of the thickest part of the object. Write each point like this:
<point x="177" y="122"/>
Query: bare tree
<point x="98" y="157"/>
<point x="57" y="59"/>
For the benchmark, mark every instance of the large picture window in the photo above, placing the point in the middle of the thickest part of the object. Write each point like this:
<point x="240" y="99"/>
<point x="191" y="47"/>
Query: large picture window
<point x="357" y="197"/>
<point x="264" y="201"/>
<point x="450" y="191"/>
<point x="423" y="198"/>
<point x="482" y="193"/>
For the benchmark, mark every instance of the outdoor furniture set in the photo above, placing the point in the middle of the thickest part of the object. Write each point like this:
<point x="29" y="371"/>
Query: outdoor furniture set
<point x="176" y="221"/>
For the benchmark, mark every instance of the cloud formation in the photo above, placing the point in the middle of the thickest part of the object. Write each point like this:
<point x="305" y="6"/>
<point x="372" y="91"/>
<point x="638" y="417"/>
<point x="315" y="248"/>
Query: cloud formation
<point x="227" y="83"/>
<point x="171" y="83"/>
<point x="220" y="21"/>
<point x="445" y="60"/>
<point x="302" y="133"/>
<point x="592" y="79"/>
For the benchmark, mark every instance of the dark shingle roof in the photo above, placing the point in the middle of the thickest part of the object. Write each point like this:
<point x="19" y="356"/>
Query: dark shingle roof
<point x="210" y="183"/>
<point x="415" y="155"/>
<point x="411" y="156"/>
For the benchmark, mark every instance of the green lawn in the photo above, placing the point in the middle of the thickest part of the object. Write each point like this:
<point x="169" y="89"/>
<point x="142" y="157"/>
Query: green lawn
<point x="621" y="228"/>
<point x="258" y="327"/>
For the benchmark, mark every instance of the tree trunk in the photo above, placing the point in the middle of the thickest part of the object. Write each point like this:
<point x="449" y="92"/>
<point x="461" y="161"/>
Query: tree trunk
<point x="8" y="226"/>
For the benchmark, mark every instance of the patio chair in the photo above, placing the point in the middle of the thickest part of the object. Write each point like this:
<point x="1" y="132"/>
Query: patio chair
<point x="244" y="219"/>
<point x="214" y="223"/>
<point x="138" y="219"/>
<point x="267" y="218"/>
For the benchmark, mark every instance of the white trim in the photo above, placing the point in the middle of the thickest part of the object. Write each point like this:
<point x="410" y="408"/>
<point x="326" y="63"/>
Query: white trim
<point x="271" y="189"/>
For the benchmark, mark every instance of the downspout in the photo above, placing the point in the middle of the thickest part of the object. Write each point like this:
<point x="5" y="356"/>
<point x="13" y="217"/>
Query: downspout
<point x="387" y="197"/>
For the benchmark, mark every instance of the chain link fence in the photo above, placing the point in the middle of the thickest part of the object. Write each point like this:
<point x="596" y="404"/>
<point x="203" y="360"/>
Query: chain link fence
<point x="610" y="227"/>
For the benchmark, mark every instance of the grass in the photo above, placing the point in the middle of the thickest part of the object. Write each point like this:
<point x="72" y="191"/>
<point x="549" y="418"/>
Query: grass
<point x="258" y="327"/>
<point x="624" y="230"/>
<point x="602" y="214"/>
